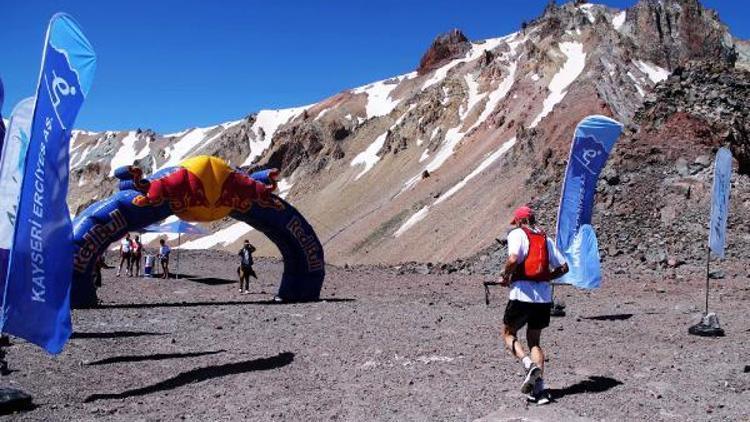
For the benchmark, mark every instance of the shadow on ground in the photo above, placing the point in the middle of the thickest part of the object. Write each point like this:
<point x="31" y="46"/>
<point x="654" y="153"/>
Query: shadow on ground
<point x="209" y="303"/>
<point x="613" y="317"/>
<point x="201" y="374"/>
<point x="113" y="334"/>
<point x="156" y="356"/>
<point x="594" y="384"/>
<point x="212" y="281"/>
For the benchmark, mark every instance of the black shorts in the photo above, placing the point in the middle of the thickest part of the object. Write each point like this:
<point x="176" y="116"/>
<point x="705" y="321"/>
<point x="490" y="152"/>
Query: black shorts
<point x="518" y="314"/>
<point x="246" y="270"/>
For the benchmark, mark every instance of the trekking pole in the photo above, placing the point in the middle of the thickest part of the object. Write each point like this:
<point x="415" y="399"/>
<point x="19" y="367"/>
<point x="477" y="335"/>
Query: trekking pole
<point x="708" y="276"/>
<point x="487" y="291"/>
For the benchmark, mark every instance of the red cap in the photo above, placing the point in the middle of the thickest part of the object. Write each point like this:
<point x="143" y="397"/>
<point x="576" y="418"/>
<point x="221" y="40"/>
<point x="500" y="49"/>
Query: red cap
<point x="522" y="212"/>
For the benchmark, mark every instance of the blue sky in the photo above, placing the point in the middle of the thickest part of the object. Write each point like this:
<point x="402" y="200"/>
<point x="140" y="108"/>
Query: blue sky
<point x="169" y="64"/>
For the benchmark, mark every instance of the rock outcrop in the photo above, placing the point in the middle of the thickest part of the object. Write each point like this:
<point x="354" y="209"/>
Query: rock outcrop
<point x="444" y="48"/>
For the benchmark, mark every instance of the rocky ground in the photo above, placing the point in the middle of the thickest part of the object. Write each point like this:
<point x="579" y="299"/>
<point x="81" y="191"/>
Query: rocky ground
<point x="384" y="346"/>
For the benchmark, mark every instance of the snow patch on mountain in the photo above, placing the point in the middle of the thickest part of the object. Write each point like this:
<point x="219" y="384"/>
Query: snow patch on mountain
<point x="222" y="238"/>
<point x="654" y="72"/>
<point x="177" y="151"/>
<point x="414" y="219"/>
<point x="268" y="122"/>
<point x="568" y="73"/>
<point x="491" y="158"/>
<point x="379" y="101"/>
<point x="619" y="20"/>
<point x="637" y="84"/>
<point x="497" y="95"/>
<point x="586" y="7"/>
<point x="369" y="157"/>
<point x="127" y="155"/>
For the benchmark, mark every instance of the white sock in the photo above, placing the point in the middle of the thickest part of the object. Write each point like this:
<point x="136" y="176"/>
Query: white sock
<point x="527" y="362"/>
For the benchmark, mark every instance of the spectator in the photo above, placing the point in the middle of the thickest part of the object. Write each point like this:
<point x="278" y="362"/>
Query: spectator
<point x="164" y="251"/>
<point x="125" y="254"/>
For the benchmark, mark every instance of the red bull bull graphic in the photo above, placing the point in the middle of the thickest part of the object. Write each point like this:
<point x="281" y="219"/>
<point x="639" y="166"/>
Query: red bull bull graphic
<point x="199" y="189"/>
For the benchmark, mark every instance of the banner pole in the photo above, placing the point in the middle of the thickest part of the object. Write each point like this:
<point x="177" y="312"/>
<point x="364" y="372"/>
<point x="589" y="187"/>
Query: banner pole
<point x="708" y="275"/>
<point x="179" y="243"/>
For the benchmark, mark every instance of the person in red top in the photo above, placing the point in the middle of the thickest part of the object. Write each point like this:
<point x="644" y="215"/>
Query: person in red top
<point x="533" y="261"/>
<point x="136" y="252"/>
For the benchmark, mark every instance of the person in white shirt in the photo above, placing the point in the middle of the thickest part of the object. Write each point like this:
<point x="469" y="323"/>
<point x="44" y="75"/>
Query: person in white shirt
<point x="125" y="254"/>
<point x="533" y="261"/>
<point x="164" y="251"/>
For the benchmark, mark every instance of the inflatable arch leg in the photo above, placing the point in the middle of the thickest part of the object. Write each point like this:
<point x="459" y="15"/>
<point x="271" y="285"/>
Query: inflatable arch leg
<point x="304" y="265"/>
<point x="96" y="228"/>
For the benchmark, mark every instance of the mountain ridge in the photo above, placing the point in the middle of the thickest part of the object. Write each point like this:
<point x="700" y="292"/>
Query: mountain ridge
<point x="382" y="169"/>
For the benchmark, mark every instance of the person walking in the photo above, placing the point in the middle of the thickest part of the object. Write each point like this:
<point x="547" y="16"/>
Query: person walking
<point x="245" y="269"/>
<point x="533" y="261"/>
<point x="125" y="254"/>
<point x="164" y="251"/>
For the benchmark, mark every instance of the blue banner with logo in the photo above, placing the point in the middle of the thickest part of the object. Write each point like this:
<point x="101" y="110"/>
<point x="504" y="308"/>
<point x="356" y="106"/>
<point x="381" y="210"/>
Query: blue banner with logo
<point x="592" y="142"/>
<point x="37" y="303"/>
<point x="12" y="161"/>
<point x="720" y="202"/>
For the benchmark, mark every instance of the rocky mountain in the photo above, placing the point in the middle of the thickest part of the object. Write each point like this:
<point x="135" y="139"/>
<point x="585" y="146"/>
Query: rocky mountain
<point x="427" y="166"/>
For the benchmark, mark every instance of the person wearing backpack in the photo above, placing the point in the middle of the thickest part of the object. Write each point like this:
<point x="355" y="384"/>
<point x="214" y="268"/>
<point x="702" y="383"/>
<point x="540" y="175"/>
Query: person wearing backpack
<point x="533" y="261"/>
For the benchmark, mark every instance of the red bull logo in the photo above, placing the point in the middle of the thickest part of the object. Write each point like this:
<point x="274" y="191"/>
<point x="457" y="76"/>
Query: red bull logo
<point x="206" y="189"/>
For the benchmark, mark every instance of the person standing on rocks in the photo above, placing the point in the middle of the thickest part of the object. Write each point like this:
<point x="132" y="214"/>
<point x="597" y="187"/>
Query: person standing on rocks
<point x="245" y="269"/>
<point x="137" y="255"/>
<point x="164" y="251"/>
<point x="533" y="261"/>
<point x="125" y="254"/>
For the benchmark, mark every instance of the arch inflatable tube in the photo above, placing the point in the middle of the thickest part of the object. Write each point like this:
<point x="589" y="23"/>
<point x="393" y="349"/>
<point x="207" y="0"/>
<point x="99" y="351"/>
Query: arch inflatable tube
<point x="199" y="189"/>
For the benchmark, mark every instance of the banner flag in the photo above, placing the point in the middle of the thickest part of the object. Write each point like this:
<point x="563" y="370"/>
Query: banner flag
<point x="12" y="160"/>
<point x="720" y="202"/>
<point x="2" y="122"/>
<point x="37" y="302"/>
<point x="592" y="142"/>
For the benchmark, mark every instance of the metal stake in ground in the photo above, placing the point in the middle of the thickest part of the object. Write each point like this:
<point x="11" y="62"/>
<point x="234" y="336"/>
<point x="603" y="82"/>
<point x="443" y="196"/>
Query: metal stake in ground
<point x="12" y="400"/>
<point x="709" y="325"/>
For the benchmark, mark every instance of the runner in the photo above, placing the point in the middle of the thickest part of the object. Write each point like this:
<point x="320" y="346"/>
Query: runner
<point x="533" y="261"/>
<point x="164" y="251"/>
<point x="125" y="254"/>
<point x="245" y="269"/>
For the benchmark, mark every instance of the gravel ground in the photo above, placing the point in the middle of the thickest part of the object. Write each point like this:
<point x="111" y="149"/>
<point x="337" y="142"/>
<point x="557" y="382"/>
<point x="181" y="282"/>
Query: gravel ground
<point x="384" y="346"/>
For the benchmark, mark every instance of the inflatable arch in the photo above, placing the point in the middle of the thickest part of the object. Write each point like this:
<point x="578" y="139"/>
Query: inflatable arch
<point x="198" y="189"/>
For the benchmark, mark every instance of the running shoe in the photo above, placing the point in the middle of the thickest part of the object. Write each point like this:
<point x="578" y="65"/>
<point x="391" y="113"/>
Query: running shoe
<point x="532" y="375"/>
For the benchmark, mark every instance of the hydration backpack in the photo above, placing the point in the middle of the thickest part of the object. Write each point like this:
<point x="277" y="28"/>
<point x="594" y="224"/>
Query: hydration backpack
<point x="536" y="265"/>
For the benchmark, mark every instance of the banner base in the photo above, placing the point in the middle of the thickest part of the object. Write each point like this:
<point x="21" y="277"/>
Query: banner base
<point x="708" y="327"/>
<point x="558" y="309"/>
<point x="13" y="400"/>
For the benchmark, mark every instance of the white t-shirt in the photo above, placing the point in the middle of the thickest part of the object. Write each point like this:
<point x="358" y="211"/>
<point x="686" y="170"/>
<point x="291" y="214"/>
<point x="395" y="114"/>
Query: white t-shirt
<point x="125" y="244"/>
<point x="164" y="251"/>
<point x="526" y="290"/>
